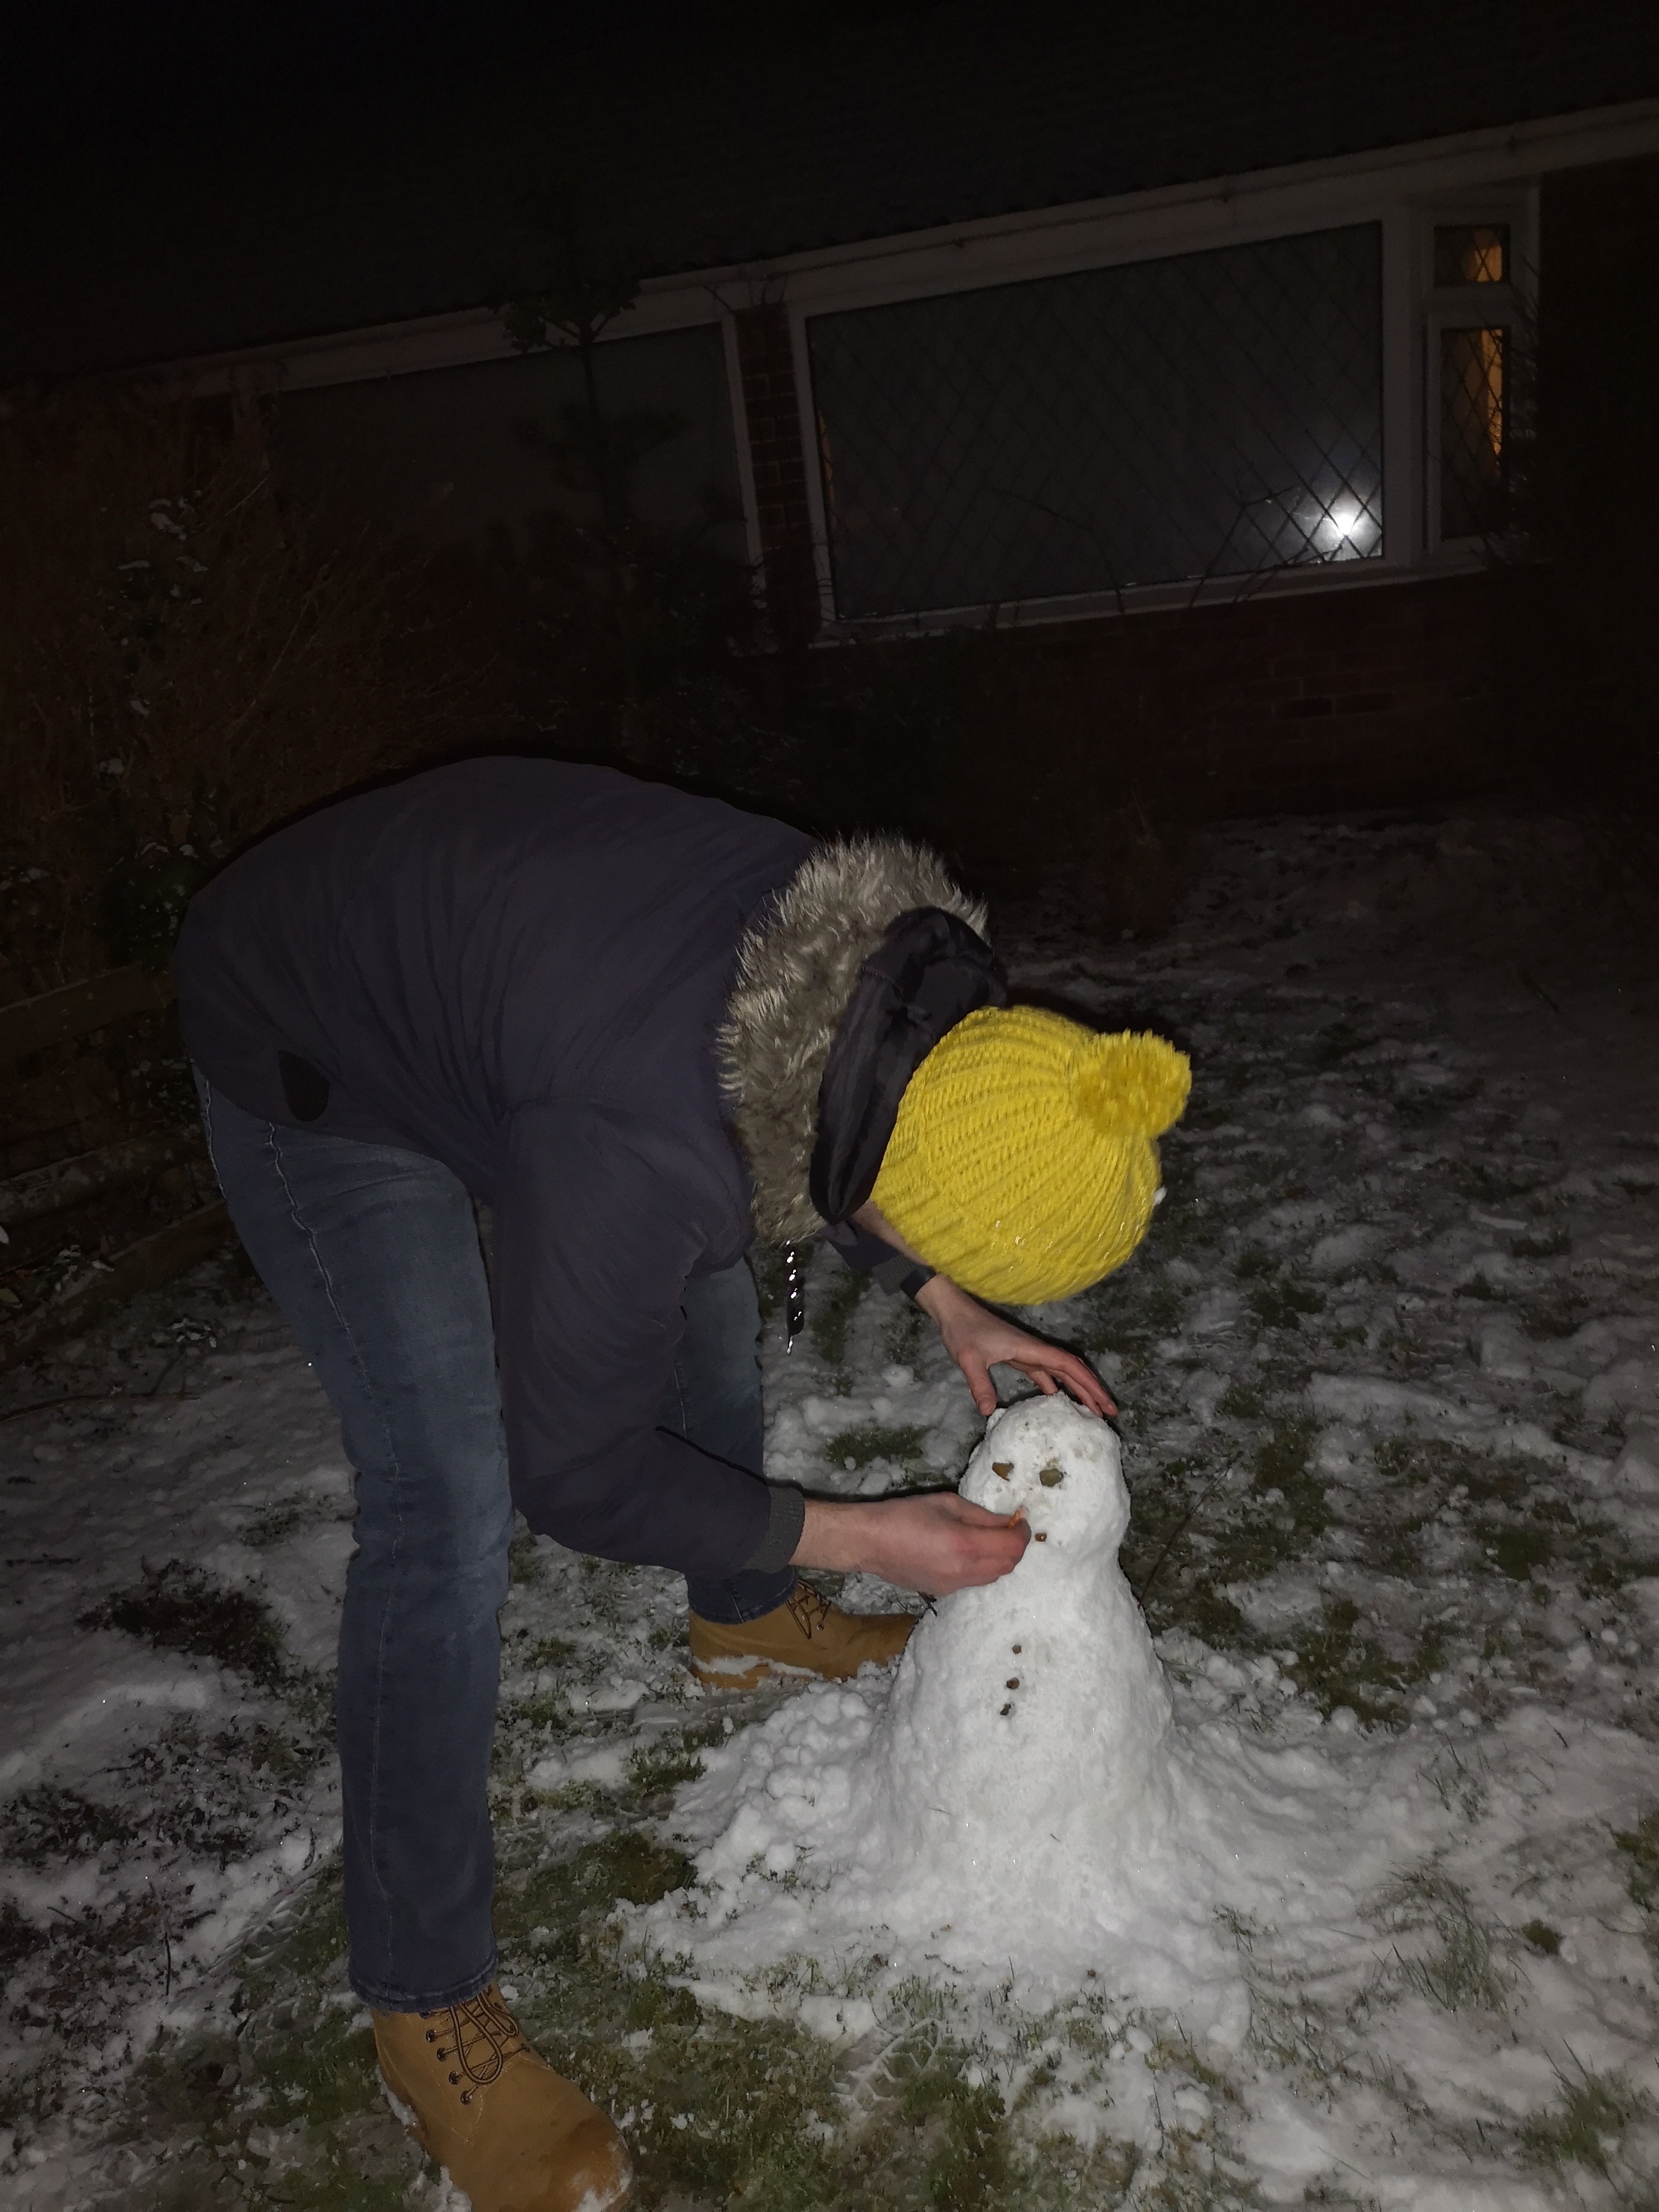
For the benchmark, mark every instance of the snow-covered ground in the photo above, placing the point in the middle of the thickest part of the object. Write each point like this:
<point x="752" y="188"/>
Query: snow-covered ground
<point x="1389" y="1371"/>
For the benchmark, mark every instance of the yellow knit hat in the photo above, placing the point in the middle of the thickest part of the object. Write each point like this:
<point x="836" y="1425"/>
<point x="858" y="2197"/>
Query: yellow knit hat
<point x="1022" y="1164"/>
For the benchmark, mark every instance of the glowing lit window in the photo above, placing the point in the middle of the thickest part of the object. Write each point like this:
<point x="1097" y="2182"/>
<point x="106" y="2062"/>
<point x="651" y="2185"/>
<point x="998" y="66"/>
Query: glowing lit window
<point x="1471" y="253"/>
<point x="1473" y="476"/>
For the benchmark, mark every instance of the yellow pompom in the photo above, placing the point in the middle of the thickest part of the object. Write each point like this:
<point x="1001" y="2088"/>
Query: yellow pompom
<point x="1133" y="1082"/>
<point x="1021" y="1162"/>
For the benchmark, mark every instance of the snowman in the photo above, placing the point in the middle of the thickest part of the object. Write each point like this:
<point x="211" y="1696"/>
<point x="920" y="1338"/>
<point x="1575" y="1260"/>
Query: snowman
<point x="1025" y="1746"/>
<point x="1014" y="1797"/>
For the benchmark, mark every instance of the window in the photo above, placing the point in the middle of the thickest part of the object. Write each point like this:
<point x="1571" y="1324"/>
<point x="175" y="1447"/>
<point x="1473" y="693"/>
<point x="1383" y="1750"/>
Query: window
<point x="1215" y="414"/>
<point x="1471" y="375"/>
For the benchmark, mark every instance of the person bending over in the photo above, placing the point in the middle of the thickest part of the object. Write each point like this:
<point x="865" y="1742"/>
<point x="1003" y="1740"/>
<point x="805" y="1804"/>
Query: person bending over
<point x="646" y="1029"/>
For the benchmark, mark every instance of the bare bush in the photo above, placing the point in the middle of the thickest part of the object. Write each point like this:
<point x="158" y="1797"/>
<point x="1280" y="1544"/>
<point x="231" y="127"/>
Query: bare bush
<point x="183" y="663"/>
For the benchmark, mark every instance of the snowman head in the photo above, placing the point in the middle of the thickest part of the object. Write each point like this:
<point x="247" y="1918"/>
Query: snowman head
<point x="1058" y="1465"/>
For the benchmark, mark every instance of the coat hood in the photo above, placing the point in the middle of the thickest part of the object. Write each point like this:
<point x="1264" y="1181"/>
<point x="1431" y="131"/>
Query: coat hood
<point x="798" y="967"/>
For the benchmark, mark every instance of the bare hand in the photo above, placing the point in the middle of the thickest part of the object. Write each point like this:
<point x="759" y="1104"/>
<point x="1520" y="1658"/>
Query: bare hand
<point x="976" y="1338"/>
<point x="932" y="1540"/>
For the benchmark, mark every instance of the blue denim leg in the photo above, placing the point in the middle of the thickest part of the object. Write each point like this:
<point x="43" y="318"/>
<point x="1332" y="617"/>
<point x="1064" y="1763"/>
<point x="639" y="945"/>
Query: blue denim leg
<point x="715" y="1400"/>
<point x="372" y="1253"/>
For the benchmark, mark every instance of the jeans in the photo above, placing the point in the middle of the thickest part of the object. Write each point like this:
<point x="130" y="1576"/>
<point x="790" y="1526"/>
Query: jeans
<point x="372" y="1253"/>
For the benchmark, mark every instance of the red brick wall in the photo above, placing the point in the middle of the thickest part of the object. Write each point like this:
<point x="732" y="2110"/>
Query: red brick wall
<point x="1360" y="696"/>
<point x="1363" y="697"/>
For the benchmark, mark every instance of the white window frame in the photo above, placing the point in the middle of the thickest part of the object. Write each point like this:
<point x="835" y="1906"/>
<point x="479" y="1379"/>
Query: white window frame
<point x="1406" y="193"/>
<point x="1511" y="307"/>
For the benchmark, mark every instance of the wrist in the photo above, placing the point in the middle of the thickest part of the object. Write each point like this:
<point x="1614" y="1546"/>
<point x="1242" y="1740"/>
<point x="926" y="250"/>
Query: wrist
<point x="939" y="1296"/>
<point x="830" y="1535"/>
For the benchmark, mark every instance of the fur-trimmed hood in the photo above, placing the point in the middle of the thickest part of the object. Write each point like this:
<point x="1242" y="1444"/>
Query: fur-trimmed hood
<point x="797" y="969"/>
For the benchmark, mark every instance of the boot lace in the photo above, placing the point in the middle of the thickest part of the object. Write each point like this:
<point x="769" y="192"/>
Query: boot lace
<point x="810" y="1609"/>
<point x="479" y="2036"/>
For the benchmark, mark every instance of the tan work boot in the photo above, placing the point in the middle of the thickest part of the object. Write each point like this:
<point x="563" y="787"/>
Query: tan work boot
<point x="514" y="2135"/>
<point x="805" y="1635"/>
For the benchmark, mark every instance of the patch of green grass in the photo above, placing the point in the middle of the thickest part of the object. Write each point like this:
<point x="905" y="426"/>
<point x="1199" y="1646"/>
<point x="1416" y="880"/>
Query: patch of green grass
<point x="1429" y="1656"/>
<point x="1518" y="1552"/>
<point x="766" y="1265"/>
<point x="1489" y="1478"/>
<point x="1334" y="1044"/>
<point x="718" y="2109"/>
<point x="1640" y="1845"/>
<point x="830" y="1305"/>
<point x="18" y="1939"/>
<point x="524" y="1563"/>
<point x="1393" y="1545"/>
<point x="1556" y="1312"/>
<point x="1461" y="1972"/>
<point x="907" y="1335"/>
<point x="624" y="1866"/>
<point x="1543" y="1938"/>
<point x="1058" y="2172"/>
<point x="851" y="1448"/>
<point x="656" y="1769"/>
<point x="1526" y="1525"/>
<point x="1494" y="1176"/>
<point x="291" y="2104"/>
<point x="179" y="1608"/>
<point x="1284" y="1304"/>
<point x="1124" y="1314"/>
<point x="961" y="2124"/>
<point x="300" y="1945"/>
<point x="1336" y="1665"/>
<point x="1284" y="1462"/>
<point x="43" y="1826"/>
<point x="1212" y="1616"/>
<point x="1160" y="1307"/>
<point x="1240" y="1402"/>
<point x="93" y="1961"/>
<point x="324" y="2076"/>
<point x="1191" y="1534"/>
<point x="1586" y="2125"/>
<point x="542" y="1710"/>
<point x="1542" y="1244"/>
<point x="278" y="1521"/>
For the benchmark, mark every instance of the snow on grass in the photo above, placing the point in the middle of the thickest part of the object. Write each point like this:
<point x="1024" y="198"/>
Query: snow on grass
<point x="1389" y="1371"/>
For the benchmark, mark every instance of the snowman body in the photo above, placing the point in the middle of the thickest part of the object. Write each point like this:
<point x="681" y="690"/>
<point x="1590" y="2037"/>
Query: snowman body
<point x="1025" y="1744"/>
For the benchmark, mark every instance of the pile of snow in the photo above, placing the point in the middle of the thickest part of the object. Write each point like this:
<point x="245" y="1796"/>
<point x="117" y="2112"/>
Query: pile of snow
<point x="1012" y="1786"/>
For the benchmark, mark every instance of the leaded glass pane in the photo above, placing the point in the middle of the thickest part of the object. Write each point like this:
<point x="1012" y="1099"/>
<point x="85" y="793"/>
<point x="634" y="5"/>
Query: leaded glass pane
<point x="1473" y="476"/>
<point x="1208" y="414"/>
<point x="1471" y="253"/>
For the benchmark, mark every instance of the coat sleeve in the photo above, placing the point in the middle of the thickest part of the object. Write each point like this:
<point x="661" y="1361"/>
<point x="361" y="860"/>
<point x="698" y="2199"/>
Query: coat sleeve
<point x="863" y="1251"/>
<point x="597" y="1231"/>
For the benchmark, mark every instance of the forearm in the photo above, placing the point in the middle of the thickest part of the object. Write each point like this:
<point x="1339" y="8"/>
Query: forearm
<point x="929" y="1541"/>
<point x="836" y="1535"/>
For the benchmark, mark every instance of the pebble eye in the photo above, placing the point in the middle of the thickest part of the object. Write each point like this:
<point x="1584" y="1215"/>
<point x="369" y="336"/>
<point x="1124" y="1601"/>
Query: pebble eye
<point x="1006" y="1710"/>
<point x="1005" y="1467"/>
<point x="1018" y="1648"/>
<point x="1013" y="1682"/>
<point x="1052" y="1477"/>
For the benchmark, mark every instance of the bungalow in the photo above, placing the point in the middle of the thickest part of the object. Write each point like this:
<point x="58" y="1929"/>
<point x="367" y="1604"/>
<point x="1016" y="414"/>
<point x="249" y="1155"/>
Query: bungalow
<point x="1072" y="321"/>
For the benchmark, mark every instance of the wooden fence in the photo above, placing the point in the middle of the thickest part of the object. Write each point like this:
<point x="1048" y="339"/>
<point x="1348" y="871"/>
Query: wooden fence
<point x="49" y="1202"/>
